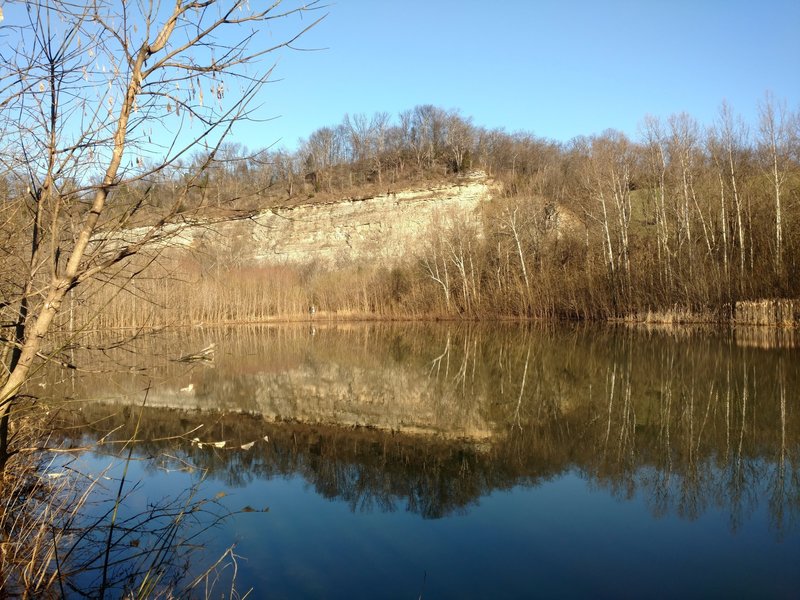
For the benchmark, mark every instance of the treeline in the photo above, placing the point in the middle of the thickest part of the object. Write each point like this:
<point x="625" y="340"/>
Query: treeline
<point x="687" y="219"/>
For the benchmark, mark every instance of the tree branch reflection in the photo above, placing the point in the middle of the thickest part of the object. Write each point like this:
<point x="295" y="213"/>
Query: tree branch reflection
<point x="429" y="419"/>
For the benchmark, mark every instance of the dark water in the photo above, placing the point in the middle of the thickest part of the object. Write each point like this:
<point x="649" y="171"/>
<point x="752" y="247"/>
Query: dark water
<point x="461" y="461"/>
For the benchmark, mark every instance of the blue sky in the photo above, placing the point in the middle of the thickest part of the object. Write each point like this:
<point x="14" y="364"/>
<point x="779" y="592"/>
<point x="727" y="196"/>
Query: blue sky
<point x="556" y="69"/>
<point x="553" y="68"/>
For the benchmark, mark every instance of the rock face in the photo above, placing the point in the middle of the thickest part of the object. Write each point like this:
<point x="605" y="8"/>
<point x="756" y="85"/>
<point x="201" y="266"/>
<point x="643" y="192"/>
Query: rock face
<point x="381" y="230"/>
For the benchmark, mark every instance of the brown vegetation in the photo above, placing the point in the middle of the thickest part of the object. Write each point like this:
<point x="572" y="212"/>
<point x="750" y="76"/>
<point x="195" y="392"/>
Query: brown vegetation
<point x="680" y="225"/>
<point x="687" y="220"/>
<point x="84" y="84"/>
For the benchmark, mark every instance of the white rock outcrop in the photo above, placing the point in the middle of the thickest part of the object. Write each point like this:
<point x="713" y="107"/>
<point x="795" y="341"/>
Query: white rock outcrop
<point x="380" y="230"/>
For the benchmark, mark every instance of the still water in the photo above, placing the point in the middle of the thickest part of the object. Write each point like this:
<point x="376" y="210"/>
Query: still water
<point x="465" y="461"/>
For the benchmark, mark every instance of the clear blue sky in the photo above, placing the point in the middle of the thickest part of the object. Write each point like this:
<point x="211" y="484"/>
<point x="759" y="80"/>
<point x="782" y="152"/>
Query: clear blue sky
<point x="554" y="68"/>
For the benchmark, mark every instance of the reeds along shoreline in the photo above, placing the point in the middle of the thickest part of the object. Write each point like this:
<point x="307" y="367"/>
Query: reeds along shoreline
<point x="286" y="293"/>
<point x="780" y="313"/>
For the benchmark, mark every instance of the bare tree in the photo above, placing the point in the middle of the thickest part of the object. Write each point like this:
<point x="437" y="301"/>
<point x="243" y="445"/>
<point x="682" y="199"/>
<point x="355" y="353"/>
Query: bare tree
<point x="730" y="135"/>
<point x="323" y="152"/>
<point x="517" y="225"/>
<point x="459" y="137"/>
<point x="774" y="142"/>
<point x="608" y="165"/>
<point x="98" y="96"/>
<point x="656" y="153"/>
<point x="684" y="148"/>
<point x="427" y="133"/>
<point x="367" y="137"/>
<point x="431" y="260"/>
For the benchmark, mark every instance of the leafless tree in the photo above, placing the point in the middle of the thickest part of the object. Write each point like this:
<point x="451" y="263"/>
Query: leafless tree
<point x="729" y="137"/>
<point x="774" y="145"/>
<point x="100" y="96"/>
<point x="459" y="138"/>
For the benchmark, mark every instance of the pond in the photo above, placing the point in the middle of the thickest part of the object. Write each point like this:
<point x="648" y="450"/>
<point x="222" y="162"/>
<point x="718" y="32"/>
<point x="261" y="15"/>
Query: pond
<point x="456" y="460"/>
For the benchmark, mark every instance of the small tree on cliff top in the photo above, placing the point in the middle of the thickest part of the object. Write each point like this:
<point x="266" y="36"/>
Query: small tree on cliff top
<point x="98" y="97"/>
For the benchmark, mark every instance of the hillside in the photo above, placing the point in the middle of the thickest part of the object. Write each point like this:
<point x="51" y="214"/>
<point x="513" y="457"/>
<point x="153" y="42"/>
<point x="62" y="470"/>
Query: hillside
<point x="604" y="228"/>
<point x="380" y="230"/>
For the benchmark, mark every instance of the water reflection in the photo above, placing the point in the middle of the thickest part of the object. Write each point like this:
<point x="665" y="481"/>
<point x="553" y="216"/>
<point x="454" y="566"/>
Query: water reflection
<point x="429" y="419"/>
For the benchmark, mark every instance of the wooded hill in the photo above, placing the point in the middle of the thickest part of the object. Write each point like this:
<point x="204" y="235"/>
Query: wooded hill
<point x="688" y="219"/>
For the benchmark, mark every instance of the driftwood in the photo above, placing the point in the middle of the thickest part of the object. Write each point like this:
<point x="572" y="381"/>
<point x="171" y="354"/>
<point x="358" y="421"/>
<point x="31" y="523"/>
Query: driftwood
<point x="206" y="354"/>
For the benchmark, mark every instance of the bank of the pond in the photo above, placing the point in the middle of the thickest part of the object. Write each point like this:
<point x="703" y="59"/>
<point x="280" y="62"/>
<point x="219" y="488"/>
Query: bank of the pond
<point x="747" y="316"/>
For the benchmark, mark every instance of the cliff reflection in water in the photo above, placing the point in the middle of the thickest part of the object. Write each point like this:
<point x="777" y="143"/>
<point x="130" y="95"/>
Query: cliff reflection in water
<point x="430" y="418"/>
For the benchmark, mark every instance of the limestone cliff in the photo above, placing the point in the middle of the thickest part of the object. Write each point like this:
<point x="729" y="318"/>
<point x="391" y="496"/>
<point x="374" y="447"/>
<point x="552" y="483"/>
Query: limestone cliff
<point x="381" y="229"/>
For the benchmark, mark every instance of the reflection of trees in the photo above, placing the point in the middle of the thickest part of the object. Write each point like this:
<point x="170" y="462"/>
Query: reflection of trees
<point x="783" y="473"/>
<point x="690" y="423"/>
<point x="711" y="434"/>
